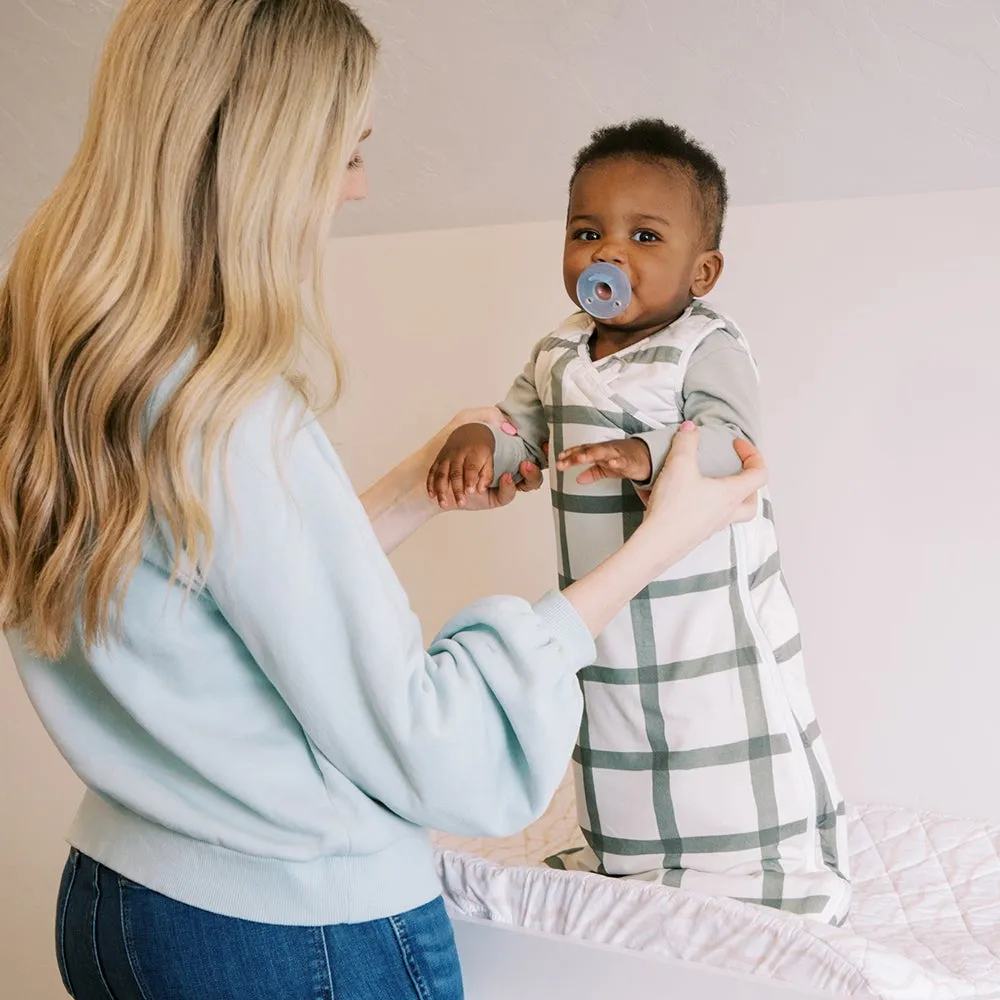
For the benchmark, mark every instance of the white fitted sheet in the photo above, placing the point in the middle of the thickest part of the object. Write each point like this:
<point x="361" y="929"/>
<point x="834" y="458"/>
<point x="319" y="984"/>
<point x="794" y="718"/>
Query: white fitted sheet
<point x="924" y="923"/>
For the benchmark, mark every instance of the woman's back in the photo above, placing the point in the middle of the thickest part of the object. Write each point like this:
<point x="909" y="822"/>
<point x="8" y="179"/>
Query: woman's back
<point x="197" y="601"/>
<point x="289" y="730"/>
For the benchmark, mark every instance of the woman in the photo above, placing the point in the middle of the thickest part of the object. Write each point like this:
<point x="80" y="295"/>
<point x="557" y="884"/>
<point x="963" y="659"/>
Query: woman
<point x="198" y="604"/>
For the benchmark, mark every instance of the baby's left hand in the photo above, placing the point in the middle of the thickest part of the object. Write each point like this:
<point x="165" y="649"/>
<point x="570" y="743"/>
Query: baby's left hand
<point x="628" y="459"/>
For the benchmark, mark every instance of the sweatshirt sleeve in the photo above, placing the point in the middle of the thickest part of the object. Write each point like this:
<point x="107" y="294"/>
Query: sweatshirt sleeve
<point x="471" y="736"/>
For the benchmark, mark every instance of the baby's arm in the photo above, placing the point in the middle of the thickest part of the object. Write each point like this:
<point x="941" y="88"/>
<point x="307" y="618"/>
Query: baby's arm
<point x="525" y="411"/>
<point x="721" y="396"/>
<point x="476" y="456"/>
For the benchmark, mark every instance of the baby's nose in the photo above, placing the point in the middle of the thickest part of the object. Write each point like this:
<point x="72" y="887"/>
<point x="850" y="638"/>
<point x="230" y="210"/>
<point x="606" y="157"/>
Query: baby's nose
<point x="610" y="253"/>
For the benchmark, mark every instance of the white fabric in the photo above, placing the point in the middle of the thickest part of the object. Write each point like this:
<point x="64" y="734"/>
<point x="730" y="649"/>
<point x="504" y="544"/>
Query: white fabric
<point x="700" y="763"/>
<point x="924" y="921"/>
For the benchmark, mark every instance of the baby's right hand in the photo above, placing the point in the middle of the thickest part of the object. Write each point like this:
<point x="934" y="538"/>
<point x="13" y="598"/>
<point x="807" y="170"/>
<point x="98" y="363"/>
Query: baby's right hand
<point x="464" y="466"/>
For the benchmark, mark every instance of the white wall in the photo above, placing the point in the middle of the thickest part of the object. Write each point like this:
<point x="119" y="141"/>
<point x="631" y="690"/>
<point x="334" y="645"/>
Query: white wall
<point x="876" y="326"/>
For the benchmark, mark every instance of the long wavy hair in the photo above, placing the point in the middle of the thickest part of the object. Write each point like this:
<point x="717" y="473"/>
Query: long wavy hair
<point x="217" y="143"/>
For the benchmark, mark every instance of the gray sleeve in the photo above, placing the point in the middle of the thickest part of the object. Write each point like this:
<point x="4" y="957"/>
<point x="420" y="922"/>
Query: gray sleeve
<point x="721" y="396"/>
<point x="526" y="412"/>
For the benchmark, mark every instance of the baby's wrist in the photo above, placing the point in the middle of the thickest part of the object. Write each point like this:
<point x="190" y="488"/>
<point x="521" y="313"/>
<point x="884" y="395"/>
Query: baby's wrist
<point x="643" y="459"/>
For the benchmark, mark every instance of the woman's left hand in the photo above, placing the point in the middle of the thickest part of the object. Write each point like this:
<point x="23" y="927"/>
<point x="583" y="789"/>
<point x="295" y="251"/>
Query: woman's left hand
<point x="507" y="490"/>
<point x="504" y="493"/>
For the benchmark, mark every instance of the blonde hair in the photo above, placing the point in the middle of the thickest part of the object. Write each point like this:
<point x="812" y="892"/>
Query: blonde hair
<point x="215" y="150"/>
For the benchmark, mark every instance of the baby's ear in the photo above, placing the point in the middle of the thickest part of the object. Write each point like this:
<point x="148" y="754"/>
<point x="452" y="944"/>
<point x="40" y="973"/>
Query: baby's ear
<point x="707" y="270"/>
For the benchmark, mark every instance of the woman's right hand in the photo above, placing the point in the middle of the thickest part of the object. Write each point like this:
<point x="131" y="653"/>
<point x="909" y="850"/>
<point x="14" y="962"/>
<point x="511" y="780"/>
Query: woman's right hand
<point x="685" y="507"/>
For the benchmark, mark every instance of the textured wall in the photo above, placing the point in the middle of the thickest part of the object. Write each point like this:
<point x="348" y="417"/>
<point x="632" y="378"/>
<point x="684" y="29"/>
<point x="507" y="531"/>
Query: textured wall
<point x="483" y="102"/>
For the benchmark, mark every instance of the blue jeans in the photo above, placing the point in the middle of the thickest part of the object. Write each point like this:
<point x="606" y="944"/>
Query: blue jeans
<point x="116" y="940"/>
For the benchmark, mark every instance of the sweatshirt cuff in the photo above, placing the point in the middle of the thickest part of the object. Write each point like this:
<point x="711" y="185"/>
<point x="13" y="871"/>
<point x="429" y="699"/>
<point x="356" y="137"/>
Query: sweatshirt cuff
<point x="562" y="620"/>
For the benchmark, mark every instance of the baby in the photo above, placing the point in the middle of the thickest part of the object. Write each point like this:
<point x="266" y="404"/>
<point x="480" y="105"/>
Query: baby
<point x="700" y="762"/>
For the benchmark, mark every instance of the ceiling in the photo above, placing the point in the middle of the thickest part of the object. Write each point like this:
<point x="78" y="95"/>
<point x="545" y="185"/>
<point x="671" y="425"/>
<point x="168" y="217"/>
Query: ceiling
<point x="482" y="103"/>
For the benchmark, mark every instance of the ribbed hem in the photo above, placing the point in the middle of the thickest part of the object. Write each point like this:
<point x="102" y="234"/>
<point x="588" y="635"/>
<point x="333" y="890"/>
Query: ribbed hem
<point x="329" y="890"/>
<point x="567" y="626"/>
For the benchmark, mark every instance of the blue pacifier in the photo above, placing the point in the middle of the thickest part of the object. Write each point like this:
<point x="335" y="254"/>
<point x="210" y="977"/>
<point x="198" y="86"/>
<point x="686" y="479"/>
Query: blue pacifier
<point x="604" y="291"/>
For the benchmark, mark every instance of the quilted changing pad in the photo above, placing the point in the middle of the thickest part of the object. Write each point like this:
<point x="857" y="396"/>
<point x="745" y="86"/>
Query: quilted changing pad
<point x="924" y="923"/>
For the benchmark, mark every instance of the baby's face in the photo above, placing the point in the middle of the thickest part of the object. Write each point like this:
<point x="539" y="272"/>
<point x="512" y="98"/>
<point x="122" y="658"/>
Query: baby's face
<point x="644" y="217"/>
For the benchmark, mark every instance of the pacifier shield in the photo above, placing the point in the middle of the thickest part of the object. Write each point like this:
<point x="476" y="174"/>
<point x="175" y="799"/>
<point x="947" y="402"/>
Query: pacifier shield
<point x="604" y="291"/>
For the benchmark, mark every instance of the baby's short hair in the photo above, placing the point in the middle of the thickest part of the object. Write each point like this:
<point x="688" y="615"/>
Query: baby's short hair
<point x="654" y="140"/>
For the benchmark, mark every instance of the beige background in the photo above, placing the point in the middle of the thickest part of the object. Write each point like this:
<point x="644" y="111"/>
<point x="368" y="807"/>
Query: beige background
<point x="875" y="323"/>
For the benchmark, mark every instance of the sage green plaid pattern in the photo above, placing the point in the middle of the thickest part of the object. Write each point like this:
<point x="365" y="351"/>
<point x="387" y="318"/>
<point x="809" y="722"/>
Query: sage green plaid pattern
<point x="700" y="764"/>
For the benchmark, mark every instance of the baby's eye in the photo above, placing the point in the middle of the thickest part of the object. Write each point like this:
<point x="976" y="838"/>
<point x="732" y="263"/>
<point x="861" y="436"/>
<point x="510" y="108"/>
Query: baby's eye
<point x="356" y="162"/>
<point x="645" y="236"/>
<point x="586" y="235"/>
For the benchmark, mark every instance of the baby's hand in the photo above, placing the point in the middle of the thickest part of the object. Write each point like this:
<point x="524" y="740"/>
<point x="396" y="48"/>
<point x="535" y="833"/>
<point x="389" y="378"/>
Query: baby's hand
<point x="628" y="459"/>
<point x="464" y="466"/>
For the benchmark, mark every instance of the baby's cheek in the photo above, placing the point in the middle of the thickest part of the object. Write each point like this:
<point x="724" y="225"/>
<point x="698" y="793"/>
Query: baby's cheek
<point x="572" y="269"/>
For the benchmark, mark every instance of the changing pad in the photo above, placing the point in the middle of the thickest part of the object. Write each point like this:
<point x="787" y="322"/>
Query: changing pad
<point x="924" y="922"/>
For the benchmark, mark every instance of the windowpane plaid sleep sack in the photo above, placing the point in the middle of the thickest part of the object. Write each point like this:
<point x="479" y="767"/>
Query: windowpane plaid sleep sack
<point x="700" y="763"/>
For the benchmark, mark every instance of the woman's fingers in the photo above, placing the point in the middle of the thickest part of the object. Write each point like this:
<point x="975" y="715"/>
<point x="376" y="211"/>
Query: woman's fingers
<point x="681" y="485"/>
<point x="685" y="443"/>
<point x="746" y="511"/>
<point x="754" y="474"/>
<point x="531" y="477"/>
<point x="752" y="478"/>
<point x="493" y="496"/>
<point x="506" y="490"/>
<point x="484" y="478"/>
<point x="745" y="450"/>
<point x="682" y="461"/>
<point x="749" y="455"/>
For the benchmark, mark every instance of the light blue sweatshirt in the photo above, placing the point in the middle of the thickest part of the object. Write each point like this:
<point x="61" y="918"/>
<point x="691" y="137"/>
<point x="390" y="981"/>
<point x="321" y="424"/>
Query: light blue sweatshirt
<point x="274" y="748"/>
